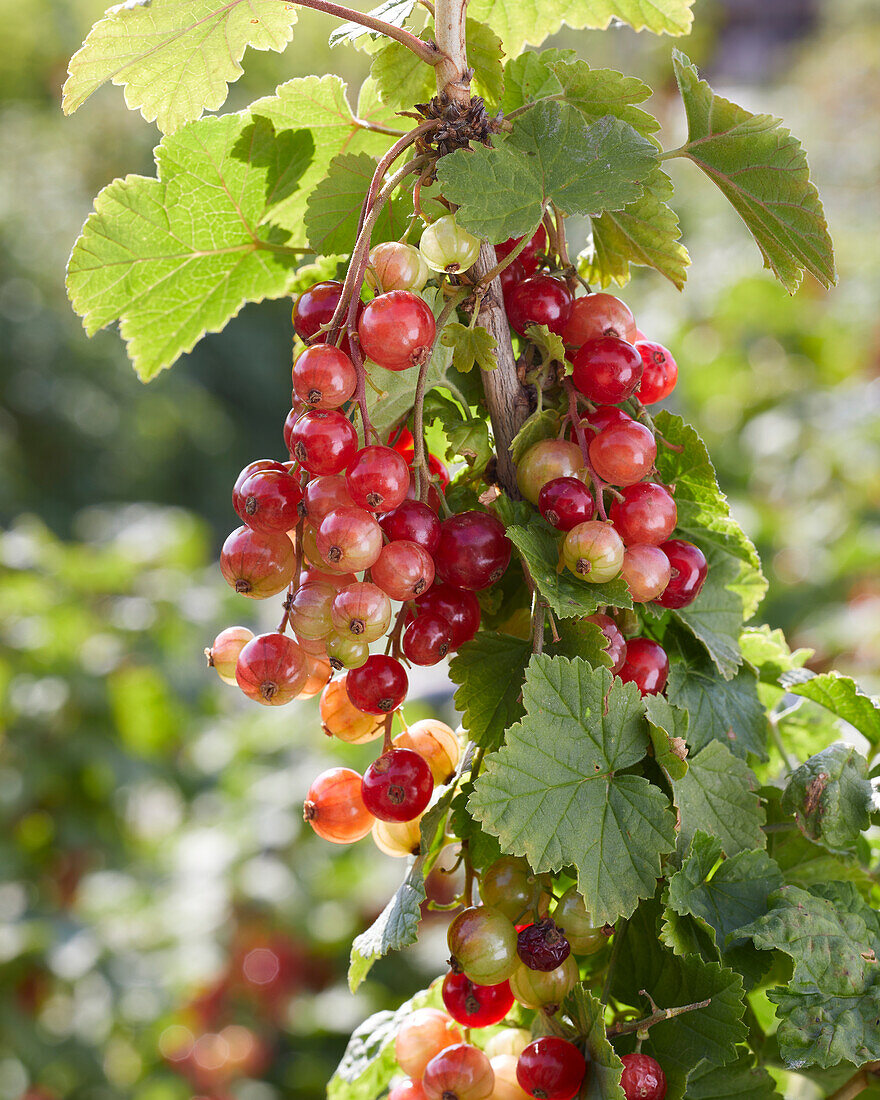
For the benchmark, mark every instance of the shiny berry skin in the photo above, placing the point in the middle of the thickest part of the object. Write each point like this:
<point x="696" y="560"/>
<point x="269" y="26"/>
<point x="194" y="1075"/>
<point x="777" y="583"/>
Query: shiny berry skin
<point x="446" y="247"/>
<point x="659" y="375"/>
<point x="571" y="914"/>
<point x="437" y="745"/>
<point x="475" y="1005"/>
<point x="252" y="468"/>
<point x="646" y="570"/>
<point x="646" y="666"/>
<point x="271" y="669"/>
<point x="378" y="478"/>
<point x="551" y="1069"/>
<point x="432" y="498"/>
<point x="361" y="609"/>
<point x="319" y="673"/>
<point x="324" y="377"/>
<point x="269" y="502"/>
<point x="511" y="276"/>
<point x="341" y="718"/>
<point x="599" y="315"/>
<point x="397" y="330"/>
<point x="456" y="606"/>
<point x="310" y="610"/>
<point x="346" y="650"/>
<point x="407" y="1090"/>
<point x="483" y="945"/>
<point x="539" y="300"/>
<point x="604" y="417"/>
<point x="642" y="1078"/>
<point x="423" y="1034"/>
<point x="615" y="645"/>
<point x="543" y="946"/>
<point x="398" y="839"/>
<point x="324" y="442"/>
<point x="510" y="886"/>
<point x="412" y="521"/>
<point x="338" y="580"/>
<point x="257" y="565"/>
<point x="398" y="785"/>
<point x="289" y="421"/>
<point x="646" y="514"/>
<point x="403" y="570"/>
<point x="439" y="470"/>
<point x="623" y="454"/>
<point x="401" y="439"/>
<point x="223" y="653"/>
<point x="323" y="494"/>
<point x="607" y="370"/>
<point x="689" y="570"/>
<point x="315" y="306"/>
<point x="593" y="551"/>
<point x="334" y="807"/>
<point x="565" y="502"/>
<point x="426" y="640"/>
<point x="396" y="266"/>
<point x="546" y="461"/>
<point x="544" y="988"/>
<point x="460" y="1072"/>
<point x="473" y="551"/>
<point x="379" y="687"/>
<point x="528" y="258"/>
<point x="349" y="539"/>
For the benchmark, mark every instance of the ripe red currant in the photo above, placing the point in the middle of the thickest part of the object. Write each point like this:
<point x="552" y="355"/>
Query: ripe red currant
<point x="543" y="946"/>
<point x="511" y="276"/>
<point x="349" y="539"/>
<point x="530" y="257"/>
<point x="659" y="375"/>
<point x="412" y="521"/>
<point x="593" y="551"/>
<point x="599" y="315"/>
<point x="223" y="654"/>
<point x="642" y="1078"/>
<point x="646" y="666"/>
<point x="334" y="807"/>
<point x="423" y="1034"/>
<point x="404" y="570"/>
<point x="622" y="454"/>
<point x="323" y="494"/>
<point x="473" y="551"/>
<point x="607" y="370"/>
<point x="324" y="441"/>
<point x="271" y="669"/>
<point x="646" y="514"/>
<point x="324" y="377"/>
<point x="361" y="609"/>
<point x="546" y="461"/>
<point x="460" y="1072"/>
<point x="475" y="1005"/>
<point x="256" y="565"/>
<point x="397" y="330"/>
<point x="314" y="309"/>
<point x="602" y="417"/>
<point x="252" y="468"/>
<point x="646" y="570"/>
<point x="458" y="607"/>
<point x="401" y="439"/>
<point x="437" y="745"/>
<point x="378" y="478"/>
<point x="269" y="501"/>
<point x="379" y="686"/>
<point x="407" y="1090"/>
<point x="539" y="300"/>
<point x="396" y="266"/>
<point x="565" y="502"/>
<point x="483" y="944"/>
<point x="615" y="645"/>
<point x="551" y="1068"/>
<point x="397" y="786"/>
<point x="426" y="640"/>
<point x="689" y="570"/>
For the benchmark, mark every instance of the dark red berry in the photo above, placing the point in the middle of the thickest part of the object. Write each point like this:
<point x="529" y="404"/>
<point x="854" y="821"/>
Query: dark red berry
<point x="646" y="666"/>
<point x="551" y="1068"/>
<point x="540" y="300"/>
<point x="659" y="375"/>
<point x="379" y="686"/>
<point x="324" y="442"/>
<point x="642" y="1079"/>
<point x="412" y="521"/>
<point x="543" y="946"/>
<point x="511" y="276"/>
<point x="529" y="259"/>
<point x="456" y="606"/>
<point x="689" y="570"/>
<point x="398" y="785"/>
<point x="644" y="514"/>
<point x="427" y="640"/>
<point x="607" y="370"/>
<point x="475" y="1005"/>
<point x="565" y="502"/>
<point x="604" y="417"/>
<point x="271" y="669"/>
<point x="473" y="551"/>
<point x="315" y="307"/>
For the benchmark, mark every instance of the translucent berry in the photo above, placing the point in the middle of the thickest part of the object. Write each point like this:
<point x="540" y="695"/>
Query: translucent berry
<point x="539" y="300"/>
<point x="545" y="989"/>
<point x="571" y="914"/>
<point x="646" y="514"/>
<point x="341" y="718"/>
<point x="623" y="454"/>
<point x="551" y="1068"/>
<point x="543" y="946"/>
<point x="646" y="570"/>
<point x="483" y="945"/>
<point x="334" y="807"/>
<point x="252" y="468"/>
<point x="347" y="651"/>
<point x="257" y="565"/>
<point x="379" y="687"/>
<point x="447" y="247"/>
<point x="565" y="502"/>
<point x="378" y="478"/>
<point x="407" y="1090"/>
<point x="530" y="257"/>
<point x="412" y="521"/>
<point x="504" y="1067"/>
<point x="642" y="1079"/>
<point x="269" y="502"/>
<point x="310" y="610"/>
<point x="473" y="551"/>
<point x="475" y="1005"/>
<point x="398" y="838"/>
<point x="404" y="570"/>
<point x="396" y="266"/>
<point x="223" y="653"/>
<point x="545" y="461"/>
<point x="597" y="315"/>
<point x="511" y="886"/>
<point x="423" y="1034"/>
<point x="323" y="494"/>
<point x="361" y="609"/>
<point x="271" y="669"/>
<point x="593" y="551"/>
<point x="324" y="377"/>
<point x="689" y="570"/>
<point x="397" y="786"/>
<point x="460" y="1072"/>
<point x="607" y="370"/>
<point x="324" y="441"/>
<point x="646" y="666"/>
<point x="349" y="539"/>
<point x="319" y="672"/>
<point x="602" y="417"/>
<point x="659" y="375"/>
<point x="511" y="1041"/>
<point x="437" y="745"/>
<point x="397" y="330"/>
<point x="458" y="607"/>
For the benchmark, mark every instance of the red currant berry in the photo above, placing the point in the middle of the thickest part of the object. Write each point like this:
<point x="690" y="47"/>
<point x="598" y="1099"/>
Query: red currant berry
<point x="270" y="502"/>
<point x="545" y="461"/>
<point x="511" y="276"/>
<point x="565" y="502"/>
<point x="315" y="306"/>
<point x="402" y="441"/>
<point x="324" y="442"/>
<point x="689" y="570"/>
<point x="615" y="645"/>
<point x="223" y="654"/>
<point x="423" y="1034"/>
<point x="426" y="640"/>
<point x="412" y="521"/>
<point x="605" y="416"/>
<point x="271" y="669"/>
<point x="323" y="494"/>
<point x="397" y="330"/>
<point x="324" y="377"/>
<point x="349" y="539"/>
<point x="407" y="1090"/>
<point x="646" y="666"/>
<point x="530" y="257"/>
<point x="473" y="551"/>
<point x="295" y="413"/>
<point x="623" y="454"/>
<point x="257" y="565"/>
<point x="483" y="944"/>
<point x="378" y="687"/>
<point x="396" y="266"/>
<point x="338" y="580"/>
<point x="551" y="1069"/>
<point x="432" y="498"/>
<point x="599" y="315"/>
<point x="607" y="370"/>
<point x="252" y="468"/>
<point x="543" y="946"/>
<point x="642" y="1079"/>
<point x="593" y="551"/>
<point x="378" y="478"/>
<point x="404" y="570"/>
<point x="460" y="1072"/>
<point x="437" y="745"/>
<point x="659" y="375"/>
<point x="456" y="606"/>
<point x="361" y="609"/>
<point x="475" y="1005"/>
<point x="310" y="610"/>
<point x="646" y="514"/>
<point x="397" y="786"/>
<point x="335" y="809"/>
<point x="646" y="571"/>
<point x="439" y="470"/>
<point x="341" y="718"/>
<point x="539" y="300"/>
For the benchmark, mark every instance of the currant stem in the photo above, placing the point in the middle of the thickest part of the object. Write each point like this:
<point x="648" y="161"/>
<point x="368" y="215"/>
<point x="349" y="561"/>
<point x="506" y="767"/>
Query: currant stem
<point x="453" y="75"/>
<point x="598" y="484"/>
<point x="862" y="1079"/>
<point x="656" y="1017"/>
<point x="425" y="51"/>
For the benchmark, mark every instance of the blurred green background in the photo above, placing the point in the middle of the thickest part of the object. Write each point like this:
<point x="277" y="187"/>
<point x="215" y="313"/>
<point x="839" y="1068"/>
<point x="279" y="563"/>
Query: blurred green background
<point x="157" y="886"/>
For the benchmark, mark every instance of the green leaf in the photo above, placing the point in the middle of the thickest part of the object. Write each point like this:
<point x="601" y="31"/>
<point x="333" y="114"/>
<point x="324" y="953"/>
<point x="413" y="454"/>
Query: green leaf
<point x="519" y="22"/>
<point x="739" y="1080"/>
<point x="587" y="1013"/>
<point x="568" y="596"/>
<point x="599" y="92"/>
<point x="395" y="12"/>
<point x="396" y="927"/>
<point x="550" y="346"/>
<point x="175" y="257"/>
<point x="823" y="1030"/>
<point x="540" y="425"/>
<point x="668" y="726"/>
<point x="583" y="169"/>
<point x="768" y="653"/>
<point x="718" y="796"/>
<point x="680" y="1043"/>
<point x="334" y="206"/>
<point x="530" y="76"/>
<point x="762" y="170"/>
<point x="484" y="53"/>
<point x="483" y="848"/>
<point x="831" y="798"/>
<point x="490" y="670"/>
<point x="470" y="440"/>
<point x="579" y="638"/>
<point x="175" y="59"/>
<point x="554" y="792"/>
<point x="469" y="346"/>
<point x="735" y="585"/>
<point x="645" y="233"/>
<point x="721" y="710"/>
<point x="841" y="695"/>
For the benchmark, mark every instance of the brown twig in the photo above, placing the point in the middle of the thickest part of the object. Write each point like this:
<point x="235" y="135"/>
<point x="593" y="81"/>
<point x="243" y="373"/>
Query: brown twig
<point x="859" y="1081"/>
<point x="656" y="1017"/>
<point x="425" y="51"/>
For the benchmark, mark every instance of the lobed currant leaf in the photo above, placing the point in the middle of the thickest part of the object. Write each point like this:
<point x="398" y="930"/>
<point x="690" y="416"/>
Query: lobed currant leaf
<point x="530" y="76"/>
<point x="668" y="727"/>
<point x="762" y="170"/>
<point x="839" y="694"/>
<point x="470" y="346"/>
<point x="550" y="346"/>
<point x="395" y="12"/>
<point x="489" y="670"/>
<point x="587" y="1013"/>
<point x="483" y="848"/>
<point x="555" y="793"/>
<point x="741" y="1079"/>
<point x="579" y="638"/>
<point x="831" y="798"/>
<point x="718" y="796"/>
<point x="768" y="653"/>
<point x="599" y="92"/>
